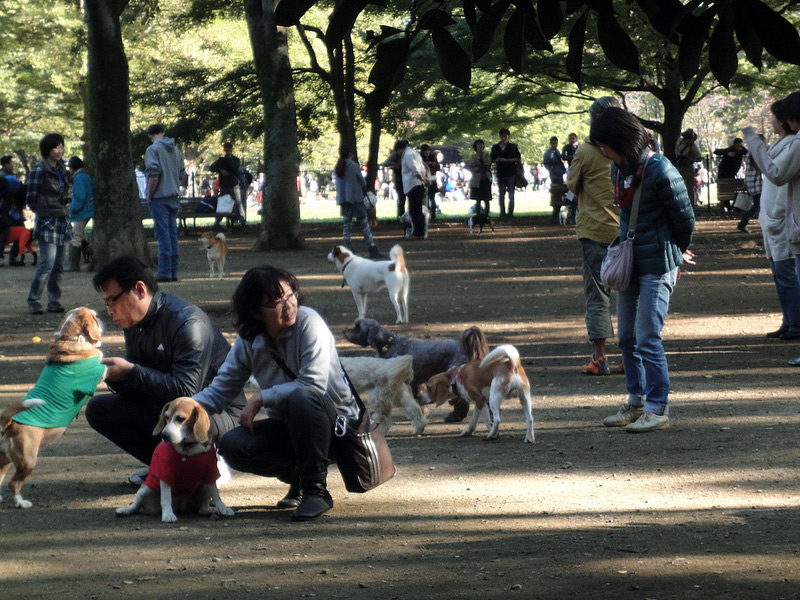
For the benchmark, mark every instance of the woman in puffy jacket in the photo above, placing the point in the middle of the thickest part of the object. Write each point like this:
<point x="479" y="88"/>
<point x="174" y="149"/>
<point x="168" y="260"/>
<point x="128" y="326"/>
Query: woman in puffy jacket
<point x="663" y="233"/>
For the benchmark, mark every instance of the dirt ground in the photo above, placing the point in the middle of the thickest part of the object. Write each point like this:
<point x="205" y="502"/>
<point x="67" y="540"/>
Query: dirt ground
<point x="706" y="509"/>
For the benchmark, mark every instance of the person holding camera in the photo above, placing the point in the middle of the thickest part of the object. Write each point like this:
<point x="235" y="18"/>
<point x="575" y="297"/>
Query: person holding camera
<point x="687" y="153"/>
<point x="49" y="198"/>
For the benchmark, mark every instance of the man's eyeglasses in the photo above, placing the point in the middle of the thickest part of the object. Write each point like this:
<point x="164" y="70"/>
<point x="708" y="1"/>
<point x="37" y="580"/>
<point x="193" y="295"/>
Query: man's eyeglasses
<point x="112" y="300"/>
<point x="279" y="304"/>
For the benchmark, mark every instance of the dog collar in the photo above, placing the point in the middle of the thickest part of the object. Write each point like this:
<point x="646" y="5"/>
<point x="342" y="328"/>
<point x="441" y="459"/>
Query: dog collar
<point x="344" y="265"/>
<point x="71" y="338"/>
<point x="385" y="349"/>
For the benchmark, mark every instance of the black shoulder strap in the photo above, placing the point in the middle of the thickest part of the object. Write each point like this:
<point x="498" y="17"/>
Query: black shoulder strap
<point x="284" y="367"/>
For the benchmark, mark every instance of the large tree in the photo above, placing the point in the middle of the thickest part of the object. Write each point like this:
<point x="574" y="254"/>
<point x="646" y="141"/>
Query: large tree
<point x="118" y="226"/>
<point x="280" y="208"/>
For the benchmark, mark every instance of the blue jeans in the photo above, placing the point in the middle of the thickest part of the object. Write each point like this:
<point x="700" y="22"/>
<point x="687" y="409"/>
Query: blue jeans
<point x="506" y="184"/>
<point x="787" y="285"/>
<point x="641" y="310"/>
<point x="358" y="212"/>
<point x="49" y="271"/>
<point x="165" y="223"/>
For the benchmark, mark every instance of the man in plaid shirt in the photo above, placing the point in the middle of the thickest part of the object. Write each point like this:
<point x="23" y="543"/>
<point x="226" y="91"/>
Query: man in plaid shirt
<point x="753" y="181"/>
<point x="49" y="197"/>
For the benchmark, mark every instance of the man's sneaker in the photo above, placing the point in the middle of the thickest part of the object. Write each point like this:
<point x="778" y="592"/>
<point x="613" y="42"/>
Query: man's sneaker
<point x="596" y="366"/>
<point x="626" y="414"/>
<point x="138" y="477"/>
<point x="648" y="422"/>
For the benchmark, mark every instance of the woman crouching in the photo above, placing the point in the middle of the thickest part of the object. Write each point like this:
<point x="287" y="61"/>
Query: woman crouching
<point x="291" y="353"/>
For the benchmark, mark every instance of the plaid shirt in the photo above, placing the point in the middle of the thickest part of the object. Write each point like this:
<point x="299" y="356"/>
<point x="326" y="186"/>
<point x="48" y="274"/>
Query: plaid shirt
<point x="753" y="180"/>
<point x="56" y="231"/>
<point x="50" y="230"/>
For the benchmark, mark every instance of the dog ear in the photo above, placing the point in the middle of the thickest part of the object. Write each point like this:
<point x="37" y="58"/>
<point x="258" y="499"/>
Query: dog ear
<point x="162" y="420"/>
<point x="439" y="388"/>
<point x="375" y="336"/>
<point x="93" y="328"/>
<point x="200" y="424"/>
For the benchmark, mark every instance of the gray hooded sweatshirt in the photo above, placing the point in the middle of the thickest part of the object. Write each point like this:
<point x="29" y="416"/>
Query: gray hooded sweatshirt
<point x="165" y="160"/>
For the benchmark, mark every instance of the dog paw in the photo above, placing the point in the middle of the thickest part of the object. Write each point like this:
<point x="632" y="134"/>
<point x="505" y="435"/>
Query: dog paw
<point x="226" y="511"/>
<point x="168" y="517"/>
<point x="465" y="433"/>
<point x="22" y="503"/>
<point x="528" y="439"/>
<point x="124" y="511"/>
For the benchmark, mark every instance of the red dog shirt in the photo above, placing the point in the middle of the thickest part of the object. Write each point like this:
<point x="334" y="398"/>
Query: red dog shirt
<point x="184" y="474"/>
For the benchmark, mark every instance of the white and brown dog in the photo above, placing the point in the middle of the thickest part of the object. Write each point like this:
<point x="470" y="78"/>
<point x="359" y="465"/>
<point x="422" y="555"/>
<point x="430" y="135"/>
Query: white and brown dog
<point x="495" y="378"/>
<point x="183" y="471"/>
<point x="365" y="276"/>
<point x="70" y="376"/>
<point x="216" y="250"/>
<point x="384" y="384"/>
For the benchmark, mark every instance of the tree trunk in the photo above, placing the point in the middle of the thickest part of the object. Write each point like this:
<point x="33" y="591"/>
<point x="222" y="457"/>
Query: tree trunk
<point x="375" y="122"/>
<point x="280" y="205"/>
<point x="118" y="225"/>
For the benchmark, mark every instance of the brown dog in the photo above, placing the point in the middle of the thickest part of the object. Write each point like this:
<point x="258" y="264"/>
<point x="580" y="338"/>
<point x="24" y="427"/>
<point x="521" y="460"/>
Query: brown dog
<point x="495" y="378"/>
<point x="69" y="379"/>
<point x="183" y="472"/>
<point x="216" y="250"/>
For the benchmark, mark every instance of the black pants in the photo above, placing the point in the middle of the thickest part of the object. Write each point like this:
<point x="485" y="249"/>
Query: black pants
<point x="415" y="199"/>
<point x="279" y="448"/>
<point x="129" y="423"/>
<point x="753" y="212"/>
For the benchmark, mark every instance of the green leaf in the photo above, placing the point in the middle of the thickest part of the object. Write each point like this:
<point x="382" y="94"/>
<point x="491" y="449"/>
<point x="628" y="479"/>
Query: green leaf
<point x="453" y="60"/>
<point x="534" y="35"/>
<point x="386" y="32"/>
<point x="753" y="49"/>
<point x="434" y="19"/>
<point x="487" y="25"/>
<point x="722" y="51"/>
<point x="577" y="38"/>
<point x="342" y="20"/>
<point x="617" y="46"/>
<point x="289" y="12"/>
<point x="470" y="16"/>
<point x="514" y="41"/>
<point x="550" y="17"/>
<point x="693" y="39"/>
<point x="778" y="36"/>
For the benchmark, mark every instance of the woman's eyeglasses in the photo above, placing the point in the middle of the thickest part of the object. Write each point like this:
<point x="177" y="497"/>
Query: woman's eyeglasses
<point x="279" y="304"/>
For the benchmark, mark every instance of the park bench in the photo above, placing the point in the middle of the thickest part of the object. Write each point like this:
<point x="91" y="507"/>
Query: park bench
<point x="187" y="209"/>
<point x="726" y="191"/>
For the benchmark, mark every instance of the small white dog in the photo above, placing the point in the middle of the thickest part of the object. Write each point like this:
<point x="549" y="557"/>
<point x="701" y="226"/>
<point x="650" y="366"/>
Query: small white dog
<point x="216" y="250"/>
<point x="364" y="276"/>
<point x="184" y="467"/>
<point x="497" y="377"/>
<point x="408" y="224"/>
<point x="385" y="383"/>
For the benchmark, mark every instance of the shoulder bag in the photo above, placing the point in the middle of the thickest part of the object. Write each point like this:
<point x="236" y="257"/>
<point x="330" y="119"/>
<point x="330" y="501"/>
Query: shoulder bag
<point x="617" y="268"/>
<point x="361" y="452"/>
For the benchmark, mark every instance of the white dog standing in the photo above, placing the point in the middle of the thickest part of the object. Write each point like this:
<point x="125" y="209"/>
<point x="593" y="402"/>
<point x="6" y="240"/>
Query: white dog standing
<point x="365" y="276"/>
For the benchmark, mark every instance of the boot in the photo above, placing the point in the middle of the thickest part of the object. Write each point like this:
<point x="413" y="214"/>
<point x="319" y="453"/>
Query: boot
<point x="375" y="253"/>
<point x="293" y="496"/>
<point x="73" y="260"/>
<point x="316" y="500"/>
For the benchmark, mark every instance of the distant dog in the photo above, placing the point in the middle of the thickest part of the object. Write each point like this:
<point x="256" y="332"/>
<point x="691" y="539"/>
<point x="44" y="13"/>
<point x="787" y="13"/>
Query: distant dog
<point x="408" y="224"/>
<point x="87" y="251"/>
<point x="383" y="385"/>
<point x="183" y="472"/>
<point x="216" y="250"/>
<point x="497" y="377"/>
<point x="365" y="276"/>
<point x="480" y="220"/>
<point x="431" y="356"/>
<point x="69" y="379"/>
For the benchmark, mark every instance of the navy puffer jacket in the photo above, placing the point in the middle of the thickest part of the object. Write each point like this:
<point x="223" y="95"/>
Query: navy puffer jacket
<point x="666" y="219"/>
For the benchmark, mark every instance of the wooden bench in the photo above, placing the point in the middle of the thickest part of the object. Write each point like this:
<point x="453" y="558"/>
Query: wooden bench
<point x="726" y="191"/>
<point x="187" y="209"/>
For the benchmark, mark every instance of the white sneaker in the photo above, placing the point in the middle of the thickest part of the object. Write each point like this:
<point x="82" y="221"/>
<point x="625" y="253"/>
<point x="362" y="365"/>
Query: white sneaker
<point x="648" y="422"/>
<point x="224" y="472"/>
<point x="626" y="414"/>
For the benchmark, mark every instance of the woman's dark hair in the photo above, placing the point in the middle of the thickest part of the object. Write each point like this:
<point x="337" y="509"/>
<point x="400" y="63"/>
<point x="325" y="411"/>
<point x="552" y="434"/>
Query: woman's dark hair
<point x="621" y="131"/>
<point x="475" y="144"/>
<point x="48" y="142"/>
<point x="791" y="107"/>
<point x="75" y="164"/>
<point x="341" y="164"/>
<point x="689" y="135"/>
<point x="777" y="109"/>
<point x="126" y="270"/>
<point x="258" y="286"/>
<point x="424" y="147"/>
<point x="400" y="145"/>
<point x="602" y="103"/>
<point x="19" y="197"/>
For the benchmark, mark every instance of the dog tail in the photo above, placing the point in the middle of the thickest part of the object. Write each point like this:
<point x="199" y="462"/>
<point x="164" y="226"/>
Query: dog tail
<point x="15" y="409"/>
<point x="504" y="352"/>
<point x="220" y="236"/>
<point x="397" y="256"/>
<point x="473" y="343"/>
